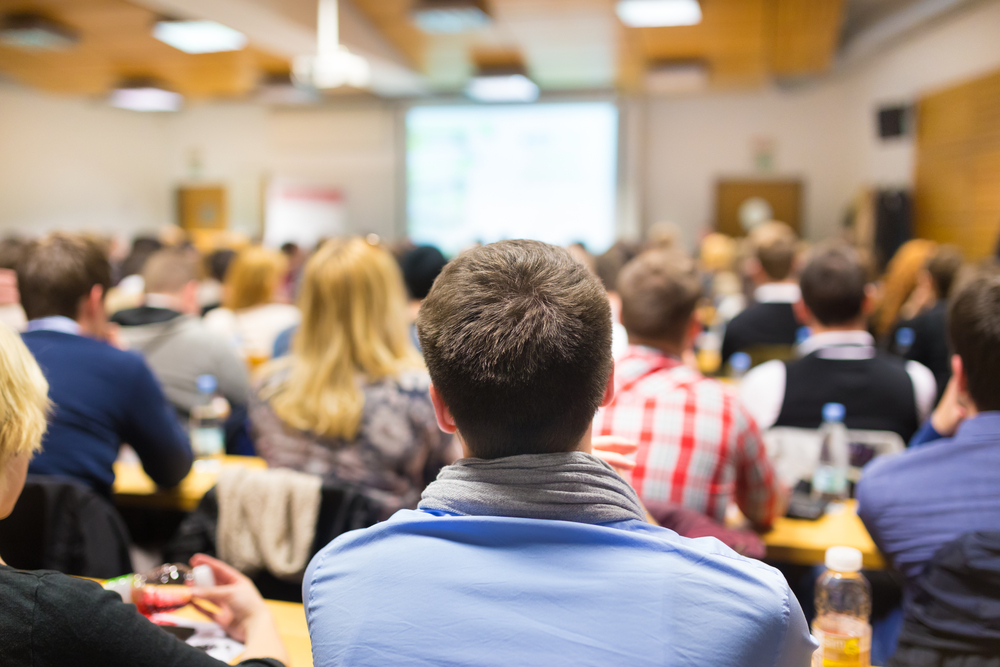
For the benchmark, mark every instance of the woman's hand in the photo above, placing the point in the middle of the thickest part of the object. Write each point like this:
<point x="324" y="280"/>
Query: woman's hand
<point x="950" y="412"/>
<point x="614" y="451"/>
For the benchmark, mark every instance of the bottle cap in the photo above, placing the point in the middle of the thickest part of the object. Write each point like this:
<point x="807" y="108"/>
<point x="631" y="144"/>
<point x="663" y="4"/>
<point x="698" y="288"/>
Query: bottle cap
<point x="207" y="384"/>
<point x="833" y="412"/>
<point x="843" y="559"/>
<point x="740" y="362"/>
<point x="203" y="576"/>
<point x="905" y="337"/>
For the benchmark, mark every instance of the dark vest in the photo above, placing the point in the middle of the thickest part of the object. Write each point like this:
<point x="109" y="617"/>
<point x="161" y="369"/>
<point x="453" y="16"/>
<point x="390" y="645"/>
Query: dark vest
<point x="877" y="393"/>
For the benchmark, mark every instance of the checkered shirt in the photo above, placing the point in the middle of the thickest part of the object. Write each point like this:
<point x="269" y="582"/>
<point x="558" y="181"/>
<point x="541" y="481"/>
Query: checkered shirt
<point x="698" y="446"/>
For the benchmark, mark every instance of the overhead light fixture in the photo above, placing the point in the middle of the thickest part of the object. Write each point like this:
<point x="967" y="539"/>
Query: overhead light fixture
<point x="658" y="13"/>
<point x="672" y="77"/>
<point x="450" y="16"/>
<point x="145" y="95"/>
<point x="333" y="66"/>
<point x="199" y="36"/>
<point x="34" y="32"/>
<point x="502" y="87"/>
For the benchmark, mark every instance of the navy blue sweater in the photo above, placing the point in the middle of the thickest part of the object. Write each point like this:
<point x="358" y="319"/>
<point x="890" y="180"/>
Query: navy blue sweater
<point x="104" y="397"/>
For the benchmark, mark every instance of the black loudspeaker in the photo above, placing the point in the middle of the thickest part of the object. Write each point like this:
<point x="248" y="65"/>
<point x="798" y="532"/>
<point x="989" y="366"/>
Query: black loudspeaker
<point x="893" y="122"/>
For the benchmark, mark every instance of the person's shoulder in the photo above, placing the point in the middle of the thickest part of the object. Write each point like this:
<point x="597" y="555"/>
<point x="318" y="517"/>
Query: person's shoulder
<point x="764" y="375"/>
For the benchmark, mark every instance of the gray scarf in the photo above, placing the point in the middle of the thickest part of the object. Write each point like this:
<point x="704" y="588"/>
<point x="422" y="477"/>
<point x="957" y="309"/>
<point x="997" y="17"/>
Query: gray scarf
<point x="571" y="486"/>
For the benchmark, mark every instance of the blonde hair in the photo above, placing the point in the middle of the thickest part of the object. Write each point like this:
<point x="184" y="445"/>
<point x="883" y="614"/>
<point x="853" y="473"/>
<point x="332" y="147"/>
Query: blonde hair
<point x="900" y="280"/>
<point x="353" y="307"/>
<point x="24" y="401"/>
<point x="253" y="277"/>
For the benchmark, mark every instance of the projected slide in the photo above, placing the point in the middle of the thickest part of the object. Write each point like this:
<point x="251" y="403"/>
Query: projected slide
<point x="545" y="172"/>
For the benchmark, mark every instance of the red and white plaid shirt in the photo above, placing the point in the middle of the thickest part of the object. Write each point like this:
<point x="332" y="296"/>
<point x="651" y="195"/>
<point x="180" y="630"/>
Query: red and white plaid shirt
<point x="698" y="446"/>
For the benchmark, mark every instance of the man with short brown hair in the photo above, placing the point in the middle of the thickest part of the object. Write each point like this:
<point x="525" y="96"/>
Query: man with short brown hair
<point x="698" y="446"/>
<point x="769" y="320"/>
<point x="102" y="396"/>
<point x="531" y="550"/>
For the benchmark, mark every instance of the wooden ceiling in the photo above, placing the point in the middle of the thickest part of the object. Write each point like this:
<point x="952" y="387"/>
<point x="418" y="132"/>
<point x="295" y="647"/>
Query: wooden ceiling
<point x="116" y="43"/>
<point x="565" y="45"/>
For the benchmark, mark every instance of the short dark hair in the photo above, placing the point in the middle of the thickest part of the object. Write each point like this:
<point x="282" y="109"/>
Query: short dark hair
<point x="659" y="290"/>
<point x="58" y="271"/>
<point x="420" y="267"/>
<point x="833" y="284"/>
<point x="774" y="244"/>
<point x="517" y="339"/>
<point x="974" y="334"/>
<point x="10" y="251"/>
<point x="943" y="267"/>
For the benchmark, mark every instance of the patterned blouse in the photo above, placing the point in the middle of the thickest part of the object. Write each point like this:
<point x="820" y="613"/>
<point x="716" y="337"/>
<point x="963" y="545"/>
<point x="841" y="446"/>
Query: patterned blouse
<point x="398" y="451"/>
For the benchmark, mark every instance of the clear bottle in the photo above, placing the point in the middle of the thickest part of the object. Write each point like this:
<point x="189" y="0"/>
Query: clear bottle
<point x="162" y="589"/>
<point x="739" y="364"/>
<point x="843" y="605"/>
<point x="206" y="425"/>
<point x="830" y="478"/>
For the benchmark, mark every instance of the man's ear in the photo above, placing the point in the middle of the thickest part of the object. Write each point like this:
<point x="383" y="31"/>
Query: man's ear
<point x="609" y="391"/>
<point x="92" y="304"/>
<point x="444" y="419"/>
<point x="802" y="313"/>
<point x="961" y="379"/>
<point x="871" y="299"/>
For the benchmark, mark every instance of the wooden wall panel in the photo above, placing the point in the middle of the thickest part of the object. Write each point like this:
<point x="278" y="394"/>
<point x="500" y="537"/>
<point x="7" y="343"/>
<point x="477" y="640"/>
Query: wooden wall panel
<point x="957" y="194"/>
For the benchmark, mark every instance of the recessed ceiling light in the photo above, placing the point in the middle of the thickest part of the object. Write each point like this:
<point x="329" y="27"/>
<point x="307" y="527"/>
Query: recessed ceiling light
<point x="658" y="13"/>
<point x="450" y="16"/>
<point x="199" y="36"/>
<point x="502" y="88"/>
<point x="34" y="32"/>
<point x="145" y="96"/>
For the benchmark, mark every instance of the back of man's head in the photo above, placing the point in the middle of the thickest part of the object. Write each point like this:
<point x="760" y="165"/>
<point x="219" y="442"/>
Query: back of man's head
<point x="517" y="339"/>
<point x="833" y="284"/>
<point x="57" y="272"/>
<point x="943" y="267"/>
<point x="609" y="264"/>
<point x="974" y="333"/>
<point x="774" y="245"/>
<point x="659" y="290"/>
<point x="169" y="271"/>
<point x="421" y="266"/>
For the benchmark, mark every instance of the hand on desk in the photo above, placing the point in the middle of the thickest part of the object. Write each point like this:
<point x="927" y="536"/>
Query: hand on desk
<point x="241" y="610"/>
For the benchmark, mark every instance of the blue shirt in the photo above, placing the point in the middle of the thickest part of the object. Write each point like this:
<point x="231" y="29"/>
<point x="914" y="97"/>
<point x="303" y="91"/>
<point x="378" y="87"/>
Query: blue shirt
<point x="429" y="588"/>
<point x="914" y="503"/>
<point x="103" y="397"/>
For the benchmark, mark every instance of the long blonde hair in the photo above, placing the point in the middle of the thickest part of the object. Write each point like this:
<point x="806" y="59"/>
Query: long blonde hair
<point x="23" y="399"/>
<point x="253" y="277"/>
<point x="900" y="280"/>
<point x="353" y="321"/>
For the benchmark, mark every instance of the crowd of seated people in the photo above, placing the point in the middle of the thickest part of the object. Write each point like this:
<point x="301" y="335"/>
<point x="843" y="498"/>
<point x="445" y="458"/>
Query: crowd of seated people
<point x="479" y="402"/>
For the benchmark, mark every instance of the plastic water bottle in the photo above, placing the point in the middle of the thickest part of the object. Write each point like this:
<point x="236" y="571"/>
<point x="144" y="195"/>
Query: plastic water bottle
<point x="163" y="589"/>
<point x="830" y="477"/>
<point x="739" y="364"/>
<point x="904" y="339"/>
<point x="843" y="605"/>
<point x="207" y="419"/>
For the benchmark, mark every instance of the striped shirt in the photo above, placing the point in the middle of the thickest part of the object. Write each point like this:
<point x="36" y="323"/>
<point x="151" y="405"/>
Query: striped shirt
<point x="698" y="446"/>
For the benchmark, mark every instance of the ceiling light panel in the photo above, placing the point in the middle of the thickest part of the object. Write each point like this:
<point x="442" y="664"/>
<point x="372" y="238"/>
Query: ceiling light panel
<point x="502" y="88"/>
<point x="658" y="13"/>
<point x="450" y="17"/>
<point x="148" y="98"/>
<point x="199" y="36"/>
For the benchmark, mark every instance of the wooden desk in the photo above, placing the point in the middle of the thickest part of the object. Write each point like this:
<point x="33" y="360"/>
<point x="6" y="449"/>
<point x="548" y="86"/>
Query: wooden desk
<point x="133" y="487"/>
<point x="291" y="620"/>
<point x="803" y="542"/>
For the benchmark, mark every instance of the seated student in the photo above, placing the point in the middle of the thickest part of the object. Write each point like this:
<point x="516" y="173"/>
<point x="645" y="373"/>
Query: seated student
<point x="251" y="317"/>
<point x="420" y="266"/>
<point x="928" y="342"/>
<point x="532" y="550"/>
<point x="698" y="446"/>
<point x="103" y="396"/>
<point x="351" y="402"/>
<point x="173" y="339"/>
<point x="914" y="503"/>
<point x="48" y="618"/>
<point x="769" y="320"/>
<point x="839" y="361"/>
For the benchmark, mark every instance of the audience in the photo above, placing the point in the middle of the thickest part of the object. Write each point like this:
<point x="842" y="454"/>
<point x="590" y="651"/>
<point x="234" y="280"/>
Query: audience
<point x="102" y="396"/>
<point x="173" y="339"/>
<point x="769" y="320"/>
<point x="47" y="618"/>
<point x="351" y="402"/>
<point x="698" y="446"/>
<point x="250" y="317"/>
<point x="420" y="266"/>
<point x="839" y="362"/>
<point x="531" y="546"/>
<point x="899" y="284"/>
<point x="927" y="340"/>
